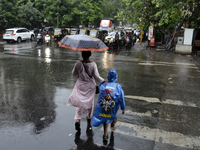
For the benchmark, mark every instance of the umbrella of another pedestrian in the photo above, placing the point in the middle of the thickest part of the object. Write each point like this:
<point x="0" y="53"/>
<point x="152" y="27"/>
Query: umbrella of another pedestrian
<point x="82" y="43"/>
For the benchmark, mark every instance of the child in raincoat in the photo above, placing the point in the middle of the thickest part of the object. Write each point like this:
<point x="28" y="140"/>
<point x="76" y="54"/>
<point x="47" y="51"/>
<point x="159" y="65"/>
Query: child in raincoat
<point x="111" y="97"/>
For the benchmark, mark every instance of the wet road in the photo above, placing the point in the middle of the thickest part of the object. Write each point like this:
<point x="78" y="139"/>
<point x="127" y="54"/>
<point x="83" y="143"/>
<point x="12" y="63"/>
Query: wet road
<point x="161" y="94"/>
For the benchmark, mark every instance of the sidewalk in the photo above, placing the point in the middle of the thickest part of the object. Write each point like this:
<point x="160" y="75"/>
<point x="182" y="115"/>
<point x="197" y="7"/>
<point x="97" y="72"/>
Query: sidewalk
<point x="161" y="48"/>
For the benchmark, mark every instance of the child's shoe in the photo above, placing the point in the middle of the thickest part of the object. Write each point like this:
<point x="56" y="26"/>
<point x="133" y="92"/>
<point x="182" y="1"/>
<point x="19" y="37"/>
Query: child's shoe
<point x="105" y="138"/>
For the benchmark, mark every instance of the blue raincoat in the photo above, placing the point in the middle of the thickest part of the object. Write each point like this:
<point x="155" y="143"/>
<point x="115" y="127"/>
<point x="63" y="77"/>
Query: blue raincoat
<point x="114" y="91"/>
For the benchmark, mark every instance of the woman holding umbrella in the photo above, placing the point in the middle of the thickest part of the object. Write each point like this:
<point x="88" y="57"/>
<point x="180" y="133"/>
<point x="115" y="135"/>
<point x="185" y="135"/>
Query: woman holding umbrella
<point x="84" y="90"/>
<point x="82" y="96"/>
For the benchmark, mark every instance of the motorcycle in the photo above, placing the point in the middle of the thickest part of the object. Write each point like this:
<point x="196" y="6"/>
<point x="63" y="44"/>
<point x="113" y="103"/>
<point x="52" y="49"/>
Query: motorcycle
<point x="47" y="39"/>
<point x="39" y="38"/>
<point x="134" y="39"/>
<point x="128" y="42"/>
<point x="111" y="43"/>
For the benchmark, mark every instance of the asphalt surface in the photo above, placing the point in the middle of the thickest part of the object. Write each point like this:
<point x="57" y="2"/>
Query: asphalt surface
<point x="161" y="93"/>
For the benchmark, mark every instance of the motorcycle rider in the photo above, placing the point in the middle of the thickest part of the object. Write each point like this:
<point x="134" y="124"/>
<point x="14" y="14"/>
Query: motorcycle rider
<point x="117" y="39"/>
<point x="130" y="37"/>
<point x="47" y="33"/>
<point x="42" y="34"/>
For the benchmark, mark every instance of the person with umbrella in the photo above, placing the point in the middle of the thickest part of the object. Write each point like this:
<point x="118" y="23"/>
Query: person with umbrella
<point x="82" y="96"/>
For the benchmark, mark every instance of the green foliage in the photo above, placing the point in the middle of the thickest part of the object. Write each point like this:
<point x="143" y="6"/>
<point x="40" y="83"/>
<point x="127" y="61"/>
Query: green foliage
<point x="8" y="13"/>
<point x="112" y="8"/>
<point x="161" y="13"/>
<point x="29" y="15"/>
<point x="65" y="13"/>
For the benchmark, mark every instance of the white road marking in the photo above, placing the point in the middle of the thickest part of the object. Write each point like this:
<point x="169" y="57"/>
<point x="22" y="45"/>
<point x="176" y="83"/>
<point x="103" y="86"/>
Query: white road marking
<point x="147" y="99"/>
<point x="161" y="136"/>
<point x="156" y="100"/>
<point x="150" y="114"/>
<point x="168" y="63"/>
<point x="153" y="63"/>
<point x="146" y="114"/>
<point x="179" y="103"/>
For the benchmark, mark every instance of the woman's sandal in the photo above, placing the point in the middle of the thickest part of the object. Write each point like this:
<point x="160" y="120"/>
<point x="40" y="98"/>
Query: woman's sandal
<point x="105" y="137"/>
<point x="77" y="126"/>
<point x="89" y="127"/>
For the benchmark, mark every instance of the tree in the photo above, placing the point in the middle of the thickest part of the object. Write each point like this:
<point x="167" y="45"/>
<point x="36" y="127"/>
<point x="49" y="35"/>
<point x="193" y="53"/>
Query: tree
<point x="29" y="15"/>
<point x="83" y="12"/>
<point x="55" y="11"/>
<point x="8" y="14"/>
<point x="164" y="15"/>
<point x="111" y="9"/>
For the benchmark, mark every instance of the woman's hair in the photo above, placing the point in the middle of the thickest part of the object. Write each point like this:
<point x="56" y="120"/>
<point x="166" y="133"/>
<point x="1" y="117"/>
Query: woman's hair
<point x="86" y="54"/>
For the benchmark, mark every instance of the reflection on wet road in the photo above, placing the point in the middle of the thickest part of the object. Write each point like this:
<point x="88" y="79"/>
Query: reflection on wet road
<point x="161" y="94"/>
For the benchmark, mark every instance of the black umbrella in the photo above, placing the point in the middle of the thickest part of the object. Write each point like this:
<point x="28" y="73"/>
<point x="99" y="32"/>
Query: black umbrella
<point x="82" y="43"/>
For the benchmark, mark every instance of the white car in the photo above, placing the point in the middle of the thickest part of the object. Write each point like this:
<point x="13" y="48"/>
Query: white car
<point x="18" y="35"/>
<point x="112" y="35"/>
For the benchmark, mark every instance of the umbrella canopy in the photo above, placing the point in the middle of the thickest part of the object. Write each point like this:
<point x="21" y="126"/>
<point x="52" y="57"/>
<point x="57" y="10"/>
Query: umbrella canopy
<point x="82" y="43"/>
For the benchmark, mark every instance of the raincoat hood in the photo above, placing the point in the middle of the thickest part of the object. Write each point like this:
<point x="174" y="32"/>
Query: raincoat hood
<point x="112" y="76"/>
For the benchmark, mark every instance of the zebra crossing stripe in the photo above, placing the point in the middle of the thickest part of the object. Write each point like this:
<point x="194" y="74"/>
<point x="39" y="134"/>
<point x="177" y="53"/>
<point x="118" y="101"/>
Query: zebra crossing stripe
<point x="146" y="114"/>
<point x="156" y="100"/>
<point x="191" y="66"/>
<point x="157" y="135"/>
<point x="147" y="99"/>
<point x="150" y="114"/>
<point x="167" y="63"/>
<point x="180" y="103"/>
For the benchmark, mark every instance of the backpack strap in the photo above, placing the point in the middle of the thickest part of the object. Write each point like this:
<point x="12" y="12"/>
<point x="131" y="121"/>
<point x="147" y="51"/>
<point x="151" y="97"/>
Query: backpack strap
<point x="86" y="70"/>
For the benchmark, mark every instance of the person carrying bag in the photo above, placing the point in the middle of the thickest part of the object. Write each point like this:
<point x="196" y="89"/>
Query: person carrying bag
<point x="82" y="96"/>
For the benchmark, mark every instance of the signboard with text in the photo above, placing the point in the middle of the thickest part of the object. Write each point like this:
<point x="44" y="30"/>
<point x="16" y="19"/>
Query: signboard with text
<point x="150" y="32"/>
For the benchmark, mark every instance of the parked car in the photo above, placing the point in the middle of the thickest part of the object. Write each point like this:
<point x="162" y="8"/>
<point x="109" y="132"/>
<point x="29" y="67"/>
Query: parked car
<point x="112" y="35"/>
<point x="18" y="35"/>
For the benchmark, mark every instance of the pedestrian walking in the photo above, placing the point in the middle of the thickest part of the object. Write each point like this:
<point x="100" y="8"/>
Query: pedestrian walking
<point x="111" y="97"/>
<point x="82" y="96"/>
